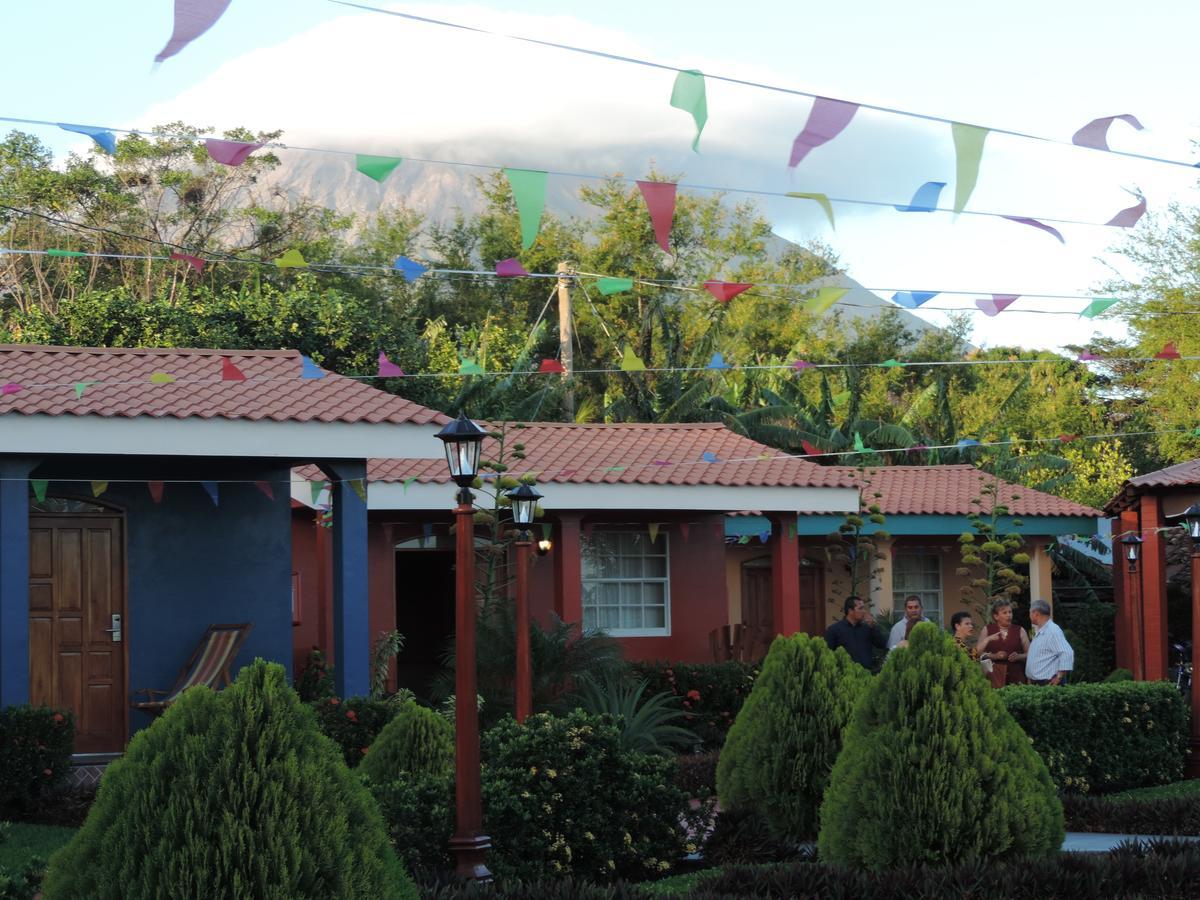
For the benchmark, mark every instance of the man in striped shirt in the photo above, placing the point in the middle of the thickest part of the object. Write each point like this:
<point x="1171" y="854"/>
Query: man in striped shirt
<point x="1050" y="656"/>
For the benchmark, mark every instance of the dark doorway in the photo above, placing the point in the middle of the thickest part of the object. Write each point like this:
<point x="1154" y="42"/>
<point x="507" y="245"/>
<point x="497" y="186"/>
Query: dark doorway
<point x="424" y="615"/>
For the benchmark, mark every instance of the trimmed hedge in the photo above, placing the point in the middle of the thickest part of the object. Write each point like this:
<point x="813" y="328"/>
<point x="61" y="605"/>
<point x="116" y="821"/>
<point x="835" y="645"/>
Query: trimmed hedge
<point x="36" y="743"/>
<point x="1098" y="738"/>
<point x="1110" y="815"/>
<point x="416" y="741"/>
<point x="710" y="694"/>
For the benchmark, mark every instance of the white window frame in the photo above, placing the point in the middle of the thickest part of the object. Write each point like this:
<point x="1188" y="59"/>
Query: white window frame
<point x="665" y="581"/>
<point x="899" y="593"/>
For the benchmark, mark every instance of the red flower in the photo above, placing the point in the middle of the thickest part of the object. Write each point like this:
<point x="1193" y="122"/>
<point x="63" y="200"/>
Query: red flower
<point x="364" y="751"/>
<point x="688" y="705"/>
<point x="334" y="701"/>
<point x="693" y="694"/>
<point x="58" y="718"/>
<point x="351" y="715"/>
<point x="47" y="772"/>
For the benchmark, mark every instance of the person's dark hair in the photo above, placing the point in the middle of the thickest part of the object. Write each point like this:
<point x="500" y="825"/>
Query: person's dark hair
<point x="914" y="597"/>
<point x="956" y="618"/>
<point x="848" y="604"/>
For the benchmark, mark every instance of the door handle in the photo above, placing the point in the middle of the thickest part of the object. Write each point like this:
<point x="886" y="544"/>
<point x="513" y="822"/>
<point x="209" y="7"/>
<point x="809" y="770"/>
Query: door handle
<point x="115" y="631"/>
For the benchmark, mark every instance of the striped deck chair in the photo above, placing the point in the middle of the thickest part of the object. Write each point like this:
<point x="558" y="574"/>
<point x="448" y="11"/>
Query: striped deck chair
<point x="209" y="665"/>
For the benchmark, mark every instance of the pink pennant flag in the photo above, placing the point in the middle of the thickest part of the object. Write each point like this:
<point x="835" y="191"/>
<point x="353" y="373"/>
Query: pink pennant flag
<point x="685" y="529"/>
<point x="587" y="529"/>
<point x="192" y="19"/>
<point x="726" y="290"/>
<point x="810" y="449"/>
<point x="156" y="490"/>
<point x="1095" y="133"/>
<point x="194" y="261"/>
<point x="997" y="304"/>
<point x="1086" y="357"/>
<point x="825" y="122"/>
<point x="801" y="365"/>
<point x="662" y="462"/>
<point x="265" y="487"/>
<point x="229" y="153"/>
<point x="1034" y="223"/>
<point x="230" y="372"/>
<point x="1127" y="218"/>
<point x="660" y="200"/>
<point x="387" y="368"/>
<point x="510" y="268"/>
<point x="1168" y="351"/>
<point x="11" y="388"/>
<point x="551" y="366"/>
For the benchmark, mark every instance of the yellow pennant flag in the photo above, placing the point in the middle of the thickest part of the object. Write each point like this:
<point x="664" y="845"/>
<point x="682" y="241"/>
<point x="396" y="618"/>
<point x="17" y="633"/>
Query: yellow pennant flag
<point x="630" y="361"/>
<point x="819" y="198"/>
<point x="359" y="488"/>
<point x="162" y="378"/>
<point x="826" y="297"/>
<point x="291" y="260"/>
<point x="654" y="531"/>
<point x="968" y="151"/>
<point x="99" y="487"/>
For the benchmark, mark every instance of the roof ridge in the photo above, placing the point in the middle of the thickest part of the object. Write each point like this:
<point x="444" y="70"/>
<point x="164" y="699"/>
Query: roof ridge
<point x="146" y="351"/>
<point x="688" y="426"/>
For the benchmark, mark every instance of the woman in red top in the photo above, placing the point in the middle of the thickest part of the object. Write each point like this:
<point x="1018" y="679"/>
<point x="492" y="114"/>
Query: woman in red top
<point x="1004" y="642"/>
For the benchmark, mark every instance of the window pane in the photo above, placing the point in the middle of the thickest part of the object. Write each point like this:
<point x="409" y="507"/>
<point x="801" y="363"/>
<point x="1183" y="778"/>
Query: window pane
<point x="590" y="619"/>
<point x="609" y="617"/>
<point x="630" y="567"/>
<point x="654" y="594"/>
<point x="655" y="567"/>
<point x="631" y="618"/>
<point x="655" y="617"/>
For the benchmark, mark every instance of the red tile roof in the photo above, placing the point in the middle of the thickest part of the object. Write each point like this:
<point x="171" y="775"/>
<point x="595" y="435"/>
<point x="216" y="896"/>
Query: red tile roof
<point x="949" y="490"/>
<point x="273" y="390"/>
<point x="1182" y="474"/>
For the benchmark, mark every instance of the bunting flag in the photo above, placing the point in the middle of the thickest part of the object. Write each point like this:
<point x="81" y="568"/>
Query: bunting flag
<point x="717" y="361"/>
<point x="377" y="168"/>
<point x="551" y="367"/>
<point x="892" y="364"/>
<point x="608" y="286"/>
<point x="661" y="462"/>
<point x="1095" y="133"/>
<point x="826" y="120"/>
<point x="801" y="364"/>
<point x="653" y="527"/>
<point x="81" y="386"/>
<point x="685" y="530"/>
<point x="587" y="529"/>
<point x="292" y="259"/>
<point x="810" y="449"/>
<point x="104" y="139"/>
<point x="11" y="388"/>
<point x="360" y="488"/>
<point x="744" y="539"/>
<point x="1067" y="438"/>
<point x="859" y="446"/>
<point x="967" y="442"/>
<point x="791" y="531"/>
<point x="1034" y="223"/>
<point x="192" y="19"/>
<point x="660" y="201"/>
<point x="230" y="153"/>
<point x="409" y="480"/>
<point x="230" y="372"/>
<point x="996" y="304"/>
<point x="547" y="531"/>
<point x="99" y="487"/>
<point x="39" y="486"/>
<point x="156" y="490"/>
<point x="309" y="369"/>
<point x="410" y="269"/>
<point x="194" y="261"/>
<point x="387" y="368"/>
<point x="826" y="297"/>
<point x="162" y="378"/>
<point x="265" y="487"/>
<point x="726" y="290"/>
<point x="1086" y="357"/>
<point x="213" y="491"/>
<point x="688" y="94"/>
<point x="822" y="199"/>
<point x="529" y="192"/>
<point x="709" y="457"/>
<point x="615" y="469"/>
<point x="764" y="536"/>
<point x="315" y="488"/>
<point x="426" y="532"/>
<point x="510" y="268"/>
<point x="925" y="199"/>
<point x="469" y="367"/>
<point x="1127" y="218"/>
<point x="912" y="299"/>
<point x="968" y="151"/>
<point x="54" y="252"/>
<point x="1167" y="352"/>
<point x="630" y="361"/>
<point x="1098" y="306"/>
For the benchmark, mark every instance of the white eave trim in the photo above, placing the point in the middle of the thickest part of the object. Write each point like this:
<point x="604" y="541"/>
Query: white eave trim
<point x="666" y="497"/>
<point x="39" y="435"/>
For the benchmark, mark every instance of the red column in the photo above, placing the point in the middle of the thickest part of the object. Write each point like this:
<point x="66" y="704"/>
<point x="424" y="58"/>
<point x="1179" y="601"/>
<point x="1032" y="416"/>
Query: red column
<point x="1131" y="591"/>
<point x="1192" y="766"/>
<point x="1154" y="589"/>
<point x="785" y="576"/>
<point x="1121" y="624"/>
<point x="524" y="674"/>
<point x="568" y="570"/>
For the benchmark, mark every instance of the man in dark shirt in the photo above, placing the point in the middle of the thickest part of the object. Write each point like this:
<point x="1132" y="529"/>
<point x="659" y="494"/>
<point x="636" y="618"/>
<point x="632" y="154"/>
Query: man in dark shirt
<point x="856" y="632"/>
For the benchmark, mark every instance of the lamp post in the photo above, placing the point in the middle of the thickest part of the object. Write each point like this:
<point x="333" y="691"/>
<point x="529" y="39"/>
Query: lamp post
<point x="1191" y="518"/>
<point x="469" y="844"/>
<point x="1131" y="546"/>
<point x="524" y="505"/>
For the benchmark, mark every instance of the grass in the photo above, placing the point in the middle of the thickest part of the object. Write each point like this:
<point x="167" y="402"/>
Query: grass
<point x="1176" y="789"/>
<point x="26" y="841"/>
<point x="676" y="885"/>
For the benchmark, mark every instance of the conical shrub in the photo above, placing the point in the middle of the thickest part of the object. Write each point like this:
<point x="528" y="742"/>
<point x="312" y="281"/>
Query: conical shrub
<point x="935" y="769"/>
<point x="783" y="744"/>
<point x="235" y="795"/>
<point x="417" y="742"/>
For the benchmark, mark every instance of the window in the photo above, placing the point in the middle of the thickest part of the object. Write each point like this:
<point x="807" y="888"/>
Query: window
<point x="625" y="583"/>
<point x="920" y="574"/>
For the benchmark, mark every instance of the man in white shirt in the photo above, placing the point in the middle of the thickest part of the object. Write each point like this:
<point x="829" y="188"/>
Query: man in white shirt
<point x="913" y="613"/>
<point x="1051" y="658"/>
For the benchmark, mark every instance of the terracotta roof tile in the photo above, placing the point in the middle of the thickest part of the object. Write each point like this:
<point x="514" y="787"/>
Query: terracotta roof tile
<point x="1182" y="474"/>
<point x="273" y="390"/>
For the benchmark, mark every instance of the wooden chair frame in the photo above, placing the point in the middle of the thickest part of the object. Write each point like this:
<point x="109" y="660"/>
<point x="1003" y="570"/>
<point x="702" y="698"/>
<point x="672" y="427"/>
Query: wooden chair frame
<point x="155" y="707"/>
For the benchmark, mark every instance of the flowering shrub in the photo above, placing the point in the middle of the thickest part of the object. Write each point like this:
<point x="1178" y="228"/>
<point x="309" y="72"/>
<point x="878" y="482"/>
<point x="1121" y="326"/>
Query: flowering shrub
<point x="354" y="723"/>
<point x="316" y="678"/>
<point x="36" y="743"/>
<point x="710" y="694"/>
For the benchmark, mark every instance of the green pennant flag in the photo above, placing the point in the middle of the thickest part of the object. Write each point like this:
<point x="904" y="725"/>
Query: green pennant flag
<point x="99" y="487"/>
<point x="1098" y="306"/>
<point x="53" y="252"/>
<point x="409" y="480"/>
<point x="161" y="378"/>
<point x="81" y="386"/>
<point x="791" y="530"/>
<point x="826" y="297"/>
<point x="607" y="286"/>
<point x="469" y="367"/>
<point x="39" y="488"/>
<point x="377" y="167"/>
<point x="292" y="259"/>
<point x="547" y="530"/>
<point x="316" y="487"/>
<point x="819" y="198"/>
<point x="359" y="487"/>
<point x="688" y="95"/>
<point x="529" y="191"/>
<point x="968" y="151"/>
<point x="630" y="361"/>
<point x="859" y="446"/>
<point x="892" y="364"/>
<point x="744" y="539"/>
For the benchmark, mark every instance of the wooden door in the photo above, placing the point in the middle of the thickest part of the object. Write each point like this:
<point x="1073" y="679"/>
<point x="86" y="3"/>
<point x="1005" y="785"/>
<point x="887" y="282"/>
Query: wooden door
<point x="812" y="587"/>
<point x="757" y="615"/>
<point x="78" y="624"/>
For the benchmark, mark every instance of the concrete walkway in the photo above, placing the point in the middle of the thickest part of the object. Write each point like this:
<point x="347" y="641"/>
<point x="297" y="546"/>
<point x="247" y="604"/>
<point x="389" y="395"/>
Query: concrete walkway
<point x="1086" y="842"/>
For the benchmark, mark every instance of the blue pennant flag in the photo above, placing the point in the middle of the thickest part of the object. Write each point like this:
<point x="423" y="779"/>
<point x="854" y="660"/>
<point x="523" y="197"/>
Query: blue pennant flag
<point x="925" y="199"/>
<point x="967" y="442"/>
<point x="309" y="369"/>
<point x="709" y="456"/>
<point x="718" y="361"/>
<point x="410" y="269"/>
<point x="912" y="299"/>
<point x="764" y="536"/>
<point x="211" y="487"/>
<point x="105" y="139"/>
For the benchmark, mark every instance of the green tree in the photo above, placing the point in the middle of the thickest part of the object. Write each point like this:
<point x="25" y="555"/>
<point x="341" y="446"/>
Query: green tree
<point x="417" y="742"/>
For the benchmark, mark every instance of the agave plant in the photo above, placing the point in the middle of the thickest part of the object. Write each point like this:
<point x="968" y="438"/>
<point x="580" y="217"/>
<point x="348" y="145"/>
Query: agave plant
<point x="647" y="725"/>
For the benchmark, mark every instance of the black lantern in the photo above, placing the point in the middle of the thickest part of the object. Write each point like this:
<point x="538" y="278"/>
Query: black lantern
<point x="463" y="439"/>
<point x="1133" y="549"/>
<point x="1191" y="518"/>
<point x="524" y="502"/>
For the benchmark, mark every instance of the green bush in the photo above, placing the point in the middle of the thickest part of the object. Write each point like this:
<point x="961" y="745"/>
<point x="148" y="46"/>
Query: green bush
<point x="934" y="768"/>
<point x="235" y="795"/>
<point x="354" y="723"/>
<point x="1097" y="738"/>
<point x="1113" y="815"/>
<point x="416" y="741"/>
<point x="1118" y="675"/>
<point x="780" y="751"/>
<point x="36" y="743"/>
<point x="316" y="678"/>
<point x="696" y="773"/>
<point x="710" y="694"/>
<point x="647" y="724"/>
<point x="562" y="798"/>
<point x="419" y="813"/>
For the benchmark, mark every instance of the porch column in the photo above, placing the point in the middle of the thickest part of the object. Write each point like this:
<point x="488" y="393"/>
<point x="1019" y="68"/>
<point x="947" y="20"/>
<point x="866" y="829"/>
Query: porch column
<point x="785" y="575"/>
<point x="568" y="569"/>
<point x="1126" y="591"/>
<point x="1154" y="589"/>
<point x="351" y="629"/>
<point x="14" y="581"/>
<point x="1040" y="571"/>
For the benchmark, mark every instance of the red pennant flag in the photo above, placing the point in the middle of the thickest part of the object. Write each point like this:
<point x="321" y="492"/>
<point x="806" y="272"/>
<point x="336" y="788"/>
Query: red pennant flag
<point x="194" y="261"/>
<point x="230" y="372"/>
<point x="1067" y="438"/>
<point x="156" y="490"/>
<point x="587" y="529"/>
<point x="726" y="290"/>
<point x="1167" y="352"/>
<point x="551" y="366"/>
<point x="684" y="529"/>
<point x="810" y="450"/>
<point x="265" y="487"/>
<point x="660" y="200"/>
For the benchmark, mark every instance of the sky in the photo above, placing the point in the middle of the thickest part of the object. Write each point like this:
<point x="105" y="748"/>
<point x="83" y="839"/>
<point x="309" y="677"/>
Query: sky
<point x="341" y="78"/>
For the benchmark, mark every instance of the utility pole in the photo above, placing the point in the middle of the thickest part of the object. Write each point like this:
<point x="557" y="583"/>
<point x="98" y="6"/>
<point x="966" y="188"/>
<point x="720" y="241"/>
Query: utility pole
<point x="565" y="335"/>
